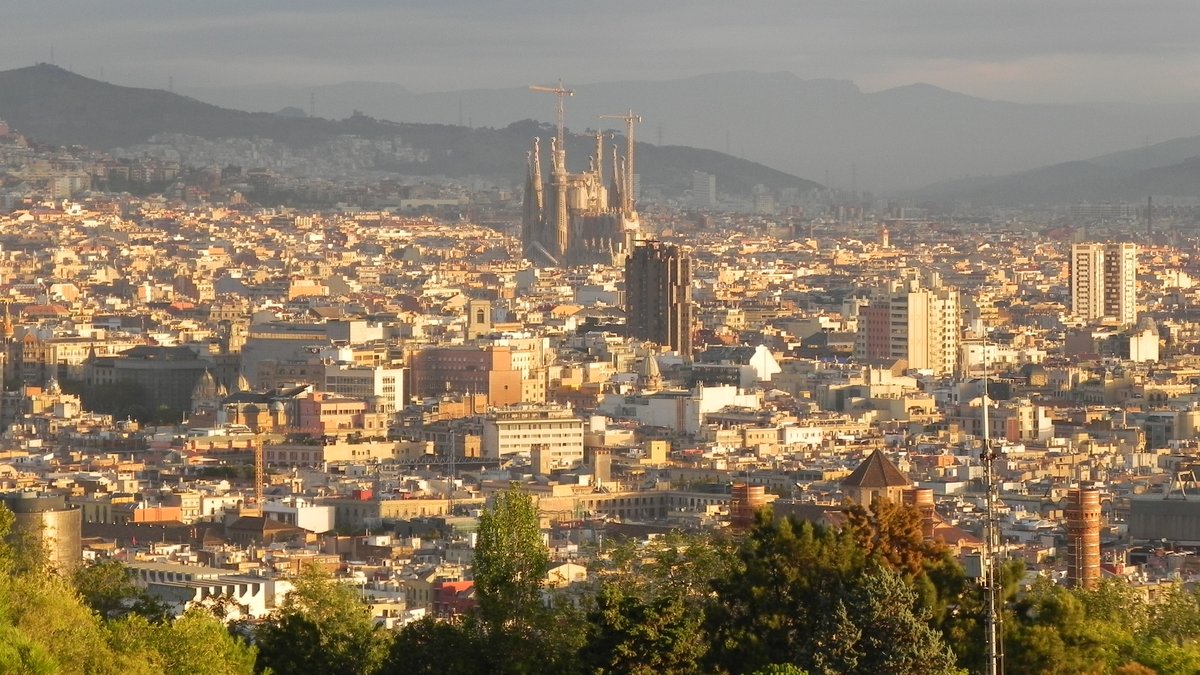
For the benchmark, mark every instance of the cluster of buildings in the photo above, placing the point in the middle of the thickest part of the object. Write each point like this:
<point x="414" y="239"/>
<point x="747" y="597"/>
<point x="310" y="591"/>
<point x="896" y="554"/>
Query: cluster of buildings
<point x="346" y="170"/>
<point x="219" y="393"/>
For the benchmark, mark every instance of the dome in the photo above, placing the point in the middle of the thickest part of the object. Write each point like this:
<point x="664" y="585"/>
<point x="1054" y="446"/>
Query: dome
<point x="1035" y="374"/>
<point x="649" y="369"/>
<point x="206" y="387"/>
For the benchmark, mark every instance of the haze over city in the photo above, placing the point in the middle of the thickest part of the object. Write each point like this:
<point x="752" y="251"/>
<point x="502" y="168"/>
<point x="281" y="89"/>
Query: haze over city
<point x="1021" y="50"/>
<point x="648" y="338"/>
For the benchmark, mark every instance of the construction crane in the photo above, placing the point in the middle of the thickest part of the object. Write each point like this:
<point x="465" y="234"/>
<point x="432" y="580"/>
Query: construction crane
<point x="627" y="188"/>
<point x="259" y="479"/>
<point x="562" y="93"/>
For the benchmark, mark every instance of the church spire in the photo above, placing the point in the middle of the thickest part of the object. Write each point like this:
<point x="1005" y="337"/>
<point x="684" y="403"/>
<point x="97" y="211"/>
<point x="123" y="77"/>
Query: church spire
<point x="600" y="157"/>
<point x="8" y="328"/>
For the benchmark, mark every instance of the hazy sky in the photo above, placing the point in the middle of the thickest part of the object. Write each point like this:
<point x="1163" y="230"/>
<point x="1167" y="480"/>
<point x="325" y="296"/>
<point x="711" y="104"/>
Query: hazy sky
<point x="1021" y="50"/>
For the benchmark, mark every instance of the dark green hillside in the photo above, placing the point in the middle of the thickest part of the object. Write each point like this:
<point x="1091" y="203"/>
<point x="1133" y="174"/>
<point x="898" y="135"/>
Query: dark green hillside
<point x="53" y="105"/>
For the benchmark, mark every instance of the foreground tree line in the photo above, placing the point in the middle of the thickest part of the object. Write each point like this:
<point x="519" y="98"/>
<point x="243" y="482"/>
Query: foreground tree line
<point x="788" y="597"/>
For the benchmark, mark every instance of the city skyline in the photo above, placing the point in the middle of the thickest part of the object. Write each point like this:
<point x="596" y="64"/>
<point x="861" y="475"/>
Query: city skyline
<point x="1020" y="51"/>
<point x="324" y="382"/>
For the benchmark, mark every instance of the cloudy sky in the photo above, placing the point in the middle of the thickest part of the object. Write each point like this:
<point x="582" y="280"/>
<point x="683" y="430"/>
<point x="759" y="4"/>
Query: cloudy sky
<point x="1020" y="50"/>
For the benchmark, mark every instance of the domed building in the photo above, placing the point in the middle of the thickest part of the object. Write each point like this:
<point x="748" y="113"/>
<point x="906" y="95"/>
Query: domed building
<point x="876" y="478"/>
<point x="1035" y="375"/>
<point x="206" y="396"/>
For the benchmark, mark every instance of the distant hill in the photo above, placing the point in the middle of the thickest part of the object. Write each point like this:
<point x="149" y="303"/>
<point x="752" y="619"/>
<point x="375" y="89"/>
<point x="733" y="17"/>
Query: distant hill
<point x="1168" y="168"/>
<point x="56" y="106"/>
<point x="900" y="138"/>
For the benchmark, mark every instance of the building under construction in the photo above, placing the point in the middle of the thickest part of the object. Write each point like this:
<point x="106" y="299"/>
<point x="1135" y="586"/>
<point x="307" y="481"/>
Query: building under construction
<point x="579" y="218"/>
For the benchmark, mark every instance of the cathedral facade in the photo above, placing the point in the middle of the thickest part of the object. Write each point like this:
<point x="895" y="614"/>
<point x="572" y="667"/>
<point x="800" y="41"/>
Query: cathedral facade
<point x="578" y="218"/>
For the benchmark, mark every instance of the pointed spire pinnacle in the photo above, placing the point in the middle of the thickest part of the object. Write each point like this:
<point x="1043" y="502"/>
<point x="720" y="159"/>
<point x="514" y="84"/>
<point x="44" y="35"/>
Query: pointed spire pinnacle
<point x="8" y="329"/>
<point x="600" y="156"/>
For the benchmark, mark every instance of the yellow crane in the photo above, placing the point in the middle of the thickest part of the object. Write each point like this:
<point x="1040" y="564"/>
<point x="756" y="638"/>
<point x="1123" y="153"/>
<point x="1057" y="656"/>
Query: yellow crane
<point x="627" y="189"/>
<point x="259" y="479"/>
<point x="259" y="475"/>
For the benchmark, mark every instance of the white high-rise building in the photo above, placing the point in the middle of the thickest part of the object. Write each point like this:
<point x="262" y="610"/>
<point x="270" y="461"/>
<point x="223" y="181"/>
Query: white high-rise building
<point x="915" y="321"/>
<point x="704" y="190"/>
<point x="1087" y="280"/>
<point x="1104" y="282"/>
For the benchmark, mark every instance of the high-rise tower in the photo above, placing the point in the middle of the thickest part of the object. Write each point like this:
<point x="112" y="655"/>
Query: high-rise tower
<point x="658" y="295"/>
<point x="917" y="320"/>
<point x="1083" y="537"/>
<point x="1104" y="282"/>
<point x="1120" y="282"/>
<point x="704" y="190"/>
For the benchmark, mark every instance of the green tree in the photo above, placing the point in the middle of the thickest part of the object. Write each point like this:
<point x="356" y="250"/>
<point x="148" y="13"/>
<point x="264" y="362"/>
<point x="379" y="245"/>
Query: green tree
<point x="892" y="533"/>
<point x="649" y="612"/>
<point x="518" y="630"/>
<point x="511" y="560"/>
<point x="1109" y="629"/>
<point x="21" y="654"/>
<point x="8" y="547"/>
<point x="1050" y="635"/>
<point x="1134" y="669"/>
<point x="810" y="596"/>
<point x="45" y="627"/>
<point x="432" y="647"/>
<point x="643" y="635"/>
<point x="1165" y="657"/>
<point x="105" y="586"/>
<point x="196" y="643"/>
<point x="959" y="608"/>
<point x="1175" y="615"/>
<point x="781" y="669"/>
<point x="322" y="627"/>
<point x="677" y="563"/>
<point x="895" y="635"/>
<point x="765" y="613"/>
<point x="44" y="615"/>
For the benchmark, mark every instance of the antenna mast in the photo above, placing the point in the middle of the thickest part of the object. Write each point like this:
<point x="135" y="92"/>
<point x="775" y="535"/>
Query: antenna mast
<point x="992" y="582"/>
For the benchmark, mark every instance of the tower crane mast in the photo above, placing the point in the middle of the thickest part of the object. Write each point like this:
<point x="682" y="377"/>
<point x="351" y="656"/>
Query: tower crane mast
<point x="562" y="93"/>
<point x="627" y="189"/>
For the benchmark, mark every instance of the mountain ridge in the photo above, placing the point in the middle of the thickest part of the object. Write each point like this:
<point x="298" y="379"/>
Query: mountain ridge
<point x="892" y="140"/>
<point x="1169" y="168"/>
<point x="54" y="105"/>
